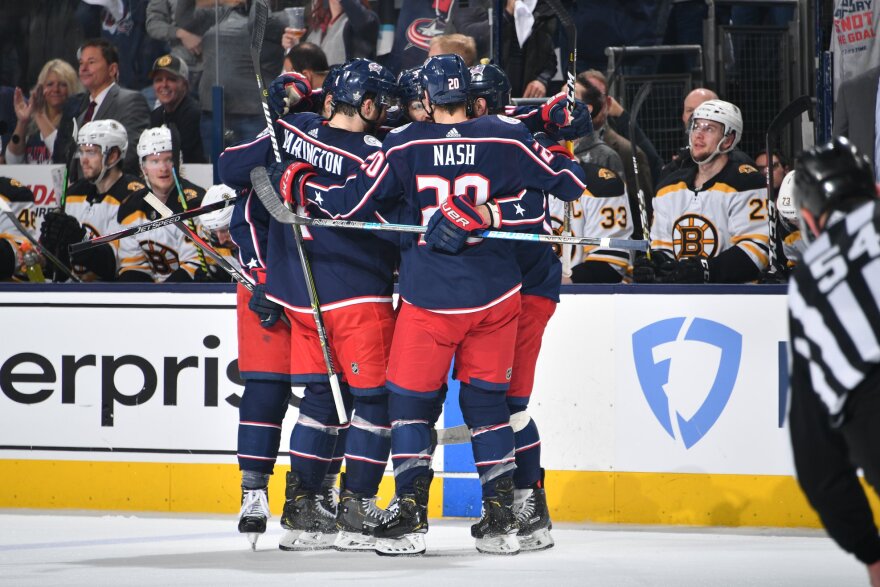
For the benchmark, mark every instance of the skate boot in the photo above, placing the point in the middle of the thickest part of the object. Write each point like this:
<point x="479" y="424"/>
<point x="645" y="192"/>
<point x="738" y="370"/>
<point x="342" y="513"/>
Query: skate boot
<point x="253" y="514"/>
<point x="329" y="497"/>
<point x="309" y="525"/>
<point x="357" y="518"/>
<point x="403" y="533"/>
<point x="497" y="528"/>
<point x="533" y="517"/>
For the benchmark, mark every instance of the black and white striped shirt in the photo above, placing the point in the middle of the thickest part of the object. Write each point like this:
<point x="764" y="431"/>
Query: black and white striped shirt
<point x="834" y="308"/>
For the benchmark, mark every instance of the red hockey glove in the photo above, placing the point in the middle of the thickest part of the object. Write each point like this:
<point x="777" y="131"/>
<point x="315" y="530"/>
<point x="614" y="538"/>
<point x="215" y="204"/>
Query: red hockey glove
<point x="450" y="227"/>
<point x="290" y="186"/>
<point x="286" y="91"/>
<point x="555" y="113"/>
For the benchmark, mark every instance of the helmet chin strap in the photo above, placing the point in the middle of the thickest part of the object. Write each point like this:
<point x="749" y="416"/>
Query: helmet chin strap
<point x="428" y="111"/>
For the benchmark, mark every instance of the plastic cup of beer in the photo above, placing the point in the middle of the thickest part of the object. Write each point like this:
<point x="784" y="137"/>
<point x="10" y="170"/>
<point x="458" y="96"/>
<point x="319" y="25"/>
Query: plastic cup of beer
<point x="296" y="20"/>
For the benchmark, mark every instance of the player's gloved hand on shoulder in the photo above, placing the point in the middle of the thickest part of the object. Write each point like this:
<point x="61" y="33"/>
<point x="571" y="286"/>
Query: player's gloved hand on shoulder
<point x="268" y="311"/>
<point x="692" y="270"/>
<point x="581" y="123"/>
<point x="289" y="92"/>
<point x="555" y="113"/>
<point x="552" y="145"/>
<point x="59" y="230"/>
<point x="450" y="227"/>
<point x="290" y="180"/>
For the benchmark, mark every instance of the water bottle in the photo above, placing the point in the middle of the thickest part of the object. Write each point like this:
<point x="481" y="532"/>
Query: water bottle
<point x="31" y="262"/>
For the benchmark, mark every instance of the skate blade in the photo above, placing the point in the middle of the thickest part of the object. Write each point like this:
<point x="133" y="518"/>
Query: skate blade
<point x="300" y="540"/>
<point x="407" y="545"/>
<point x="252" y="538"/>
<point x="537" y="540"/>
<point x="354" y="541"/>
<point x="503" y="544"/>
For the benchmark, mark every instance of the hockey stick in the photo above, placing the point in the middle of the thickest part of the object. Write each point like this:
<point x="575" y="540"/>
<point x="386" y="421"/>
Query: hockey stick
<point x="4" y="208"/>
<point x="785" y="117"/>
<point x="200" y="243"/>
<point x="190" y="223"/>
<point x="99" y="240"/>
<point x="641" y="95"/>
<point x="268" y="196"/>
<point x="261" y="17"/>
<point x="571" y="36"/>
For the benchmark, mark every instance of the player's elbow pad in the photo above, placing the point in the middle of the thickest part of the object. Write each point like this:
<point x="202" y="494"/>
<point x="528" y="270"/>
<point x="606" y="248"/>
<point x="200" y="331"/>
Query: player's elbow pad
<point x="733" y="266"/>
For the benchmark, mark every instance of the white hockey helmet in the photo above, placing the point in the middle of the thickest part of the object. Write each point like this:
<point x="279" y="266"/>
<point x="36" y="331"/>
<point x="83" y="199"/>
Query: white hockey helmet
<point x="218" y="218"/>
<point x="726" y="114"/>
<point x="154" y="140"/>
<point x="785" y="198"/>
<point x="106" y="134"/>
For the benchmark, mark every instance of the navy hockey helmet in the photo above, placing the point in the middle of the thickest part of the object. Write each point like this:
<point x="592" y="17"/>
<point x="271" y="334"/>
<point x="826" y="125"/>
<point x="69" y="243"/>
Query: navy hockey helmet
<point x="409" y="88"/>
<point x="330" y="80"/>
<point x="490" y="83"/>
<point x="446" y="79"/>
<point x="829" y="177"/>
<point x="361" y="77"/>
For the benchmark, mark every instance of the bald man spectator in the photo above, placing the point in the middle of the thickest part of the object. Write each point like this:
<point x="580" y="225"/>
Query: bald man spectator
<point x="694" y="98"/>
<point x="103" y="99"/>
<point x="177" y="108"/>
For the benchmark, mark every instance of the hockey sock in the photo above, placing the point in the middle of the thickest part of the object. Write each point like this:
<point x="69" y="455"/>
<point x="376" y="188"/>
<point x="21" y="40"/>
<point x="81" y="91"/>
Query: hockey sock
<point x="528" y="449"/>
<point x="338" y="456"/>
<point x="254" y="480"/>
<point x="260" y="413"/>
<point x="314" y="436"/>
<point x="410" y="438"/>
<point x="368" y="444"/>
<point x="486" y="414"/>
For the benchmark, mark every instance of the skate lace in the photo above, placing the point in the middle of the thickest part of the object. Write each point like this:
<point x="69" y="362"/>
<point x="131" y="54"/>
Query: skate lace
<point x="321" y="508"/>
<point x="371" y="510"/>
<point x="255" y="503"/>
<point x="526" y="508"/>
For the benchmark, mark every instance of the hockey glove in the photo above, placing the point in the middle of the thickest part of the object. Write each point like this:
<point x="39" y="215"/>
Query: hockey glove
<point x="581" y="123"/>
<point x="291" y="180"/>
<point x="552" y="145"/>
<point x="450" y="227"/>
<point x="644" y="270"/>
<point x="692" y="270"/>
<point x="554" y="113"/>
<point x="287" y="91"/>
<point x="60" y="230"/>
<point x="268" y="311"/>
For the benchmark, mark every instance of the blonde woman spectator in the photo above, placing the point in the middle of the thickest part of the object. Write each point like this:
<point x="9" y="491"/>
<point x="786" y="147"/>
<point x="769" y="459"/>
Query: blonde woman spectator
<point x="33" y="140"/>
<point x="343" y="29"/>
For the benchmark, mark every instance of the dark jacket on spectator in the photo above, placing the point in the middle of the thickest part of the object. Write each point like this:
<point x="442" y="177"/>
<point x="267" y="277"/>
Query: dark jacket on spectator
<point x="185" y="118"/>
<point x="537" y="59"/>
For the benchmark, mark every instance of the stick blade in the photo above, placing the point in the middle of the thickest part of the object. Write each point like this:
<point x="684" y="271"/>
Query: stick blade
<point x="261" y="17"/>
<point x="794" y="109"/>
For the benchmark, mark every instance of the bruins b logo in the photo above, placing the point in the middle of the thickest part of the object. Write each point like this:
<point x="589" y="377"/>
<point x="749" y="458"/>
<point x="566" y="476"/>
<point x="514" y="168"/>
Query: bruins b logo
<point x="694" y="235"/>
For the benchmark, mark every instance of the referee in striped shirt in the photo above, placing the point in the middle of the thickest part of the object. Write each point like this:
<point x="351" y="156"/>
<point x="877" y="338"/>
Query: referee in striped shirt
<point x="834" y="325"/>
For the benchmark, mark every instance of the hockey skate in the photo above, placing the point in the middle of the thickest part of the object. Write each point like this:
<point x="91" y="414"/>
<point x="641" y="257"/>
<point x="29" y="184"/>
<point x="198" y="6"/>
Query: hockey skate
<point x="497" y="528"/>
<point x="533" y="517"/>
<point x="253" y="514"/>
<point x="309" y="525"/>
<point x="403" y="534"/>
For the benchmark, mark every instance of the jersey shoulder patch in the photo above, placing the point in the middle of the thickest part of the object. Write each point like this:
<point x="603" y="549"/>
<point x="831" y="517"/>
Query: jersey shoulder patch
<point x="399" y="128"/>
<point x="746" y="168"/>
<point x="14" y="191"/>
<point x="134" y="186"/>
<point x="373" y="141"/>
<point x="507" y="119"/>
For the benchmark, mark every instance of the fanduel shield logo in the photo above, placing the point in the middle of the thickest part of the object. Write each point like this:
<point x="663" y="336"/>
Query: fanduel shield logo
<point x="653" y="353"/>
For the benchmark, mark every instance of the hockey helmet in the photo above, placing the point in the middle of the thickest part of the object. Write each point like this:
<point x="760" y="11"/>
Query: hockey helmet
<point x="724" y="113"/>
<point x="361" y="77"/>
<point x="154" y="140"/>
<point x="408" y="87"/>
<point x="330" y="80"/>
<point x="446" y="79"/>
<point x="106" y="134"/>
<point x="785" y="198"/>
<point x="490" y="83"/>
<point x="829" y="177"/>
<point x="218" y="218"/>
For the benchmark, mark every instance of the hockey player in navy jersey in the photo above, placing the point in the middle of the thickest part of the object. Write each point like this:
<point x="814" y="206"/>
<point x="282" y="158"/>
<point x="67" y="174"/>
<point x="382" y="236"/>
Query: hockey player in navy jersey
<point x="460" y="296"/>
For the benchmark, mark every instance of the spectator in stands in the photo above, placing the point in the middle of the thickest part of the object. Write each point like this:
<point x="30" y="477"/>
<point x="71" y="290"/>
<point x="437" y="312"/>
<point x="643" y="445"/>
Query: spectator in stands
<point x="780" y="167"/>
<point x="185" y="45"/>
<point x="177" y="108"/>
<point x="591" y="148"/>
<point x="529" y="58"/>
<point x="230" y="29"/>
<point x="344" y="29"/>
<point x="33" y="139"/>
<point x="103" y="98"/>
<point x="694" y="98"/>
<point x="855" y="114"/>
<point x="418" y="22"/>
<point x="619" y="120"/>
<point x="710" y="220"/>
<point x="622" y="147"/>
<point x="309" y="60"/>
<point x="461" y="45"/>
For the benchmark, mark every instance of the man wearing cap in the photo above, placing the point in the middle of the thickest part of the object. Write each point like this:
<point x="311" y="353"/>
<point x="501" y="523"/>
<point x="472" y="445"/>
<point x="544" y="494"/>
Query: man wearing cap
<point x="177" y="109"/>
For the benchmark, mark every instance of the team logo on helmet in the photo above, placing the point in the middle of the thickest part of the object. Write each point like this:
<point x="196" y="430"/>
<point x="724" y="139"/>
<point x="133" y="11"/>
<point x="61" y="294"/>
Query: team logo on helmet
<point x="135" y="186"/>
<point x="694" y="235"/>
<point x="374" y="67"/>
<point x="164" y="61"/>
<point x="356" y="95"/>
<point x="746" y="168"/>
<point x="605" y="173"/>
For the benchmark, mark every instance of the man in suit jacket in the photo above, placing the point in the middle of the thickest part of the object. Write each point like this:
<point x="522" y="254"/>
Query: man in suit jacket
<point x="855" y="114"/>
<point x="103" y="99"/>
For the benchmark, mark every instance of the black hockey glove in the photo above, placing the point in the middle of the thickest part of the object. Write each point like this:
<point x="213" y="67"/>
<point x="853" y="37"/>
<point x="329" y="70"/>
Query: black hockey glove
<point x="644" y="270"/>
<point x="287" y="91"/>
<point x="268" y="311"/>
<point x="692" y="270"/>
<point x="60" y="230"/>
<point x="451" y="225"/>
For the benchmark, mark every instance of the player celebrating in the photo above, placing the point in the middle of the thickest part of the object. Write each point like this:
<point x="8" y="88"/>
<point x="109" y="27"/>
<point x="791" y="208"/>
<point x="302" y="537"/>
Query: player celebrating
<point x="93" y="202"/>
<point x="164" y="254"/>
<point x="460" y="297"/>
<point x="710" y="221"/>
